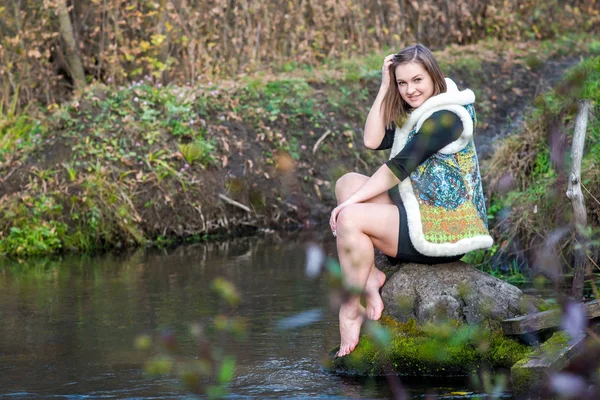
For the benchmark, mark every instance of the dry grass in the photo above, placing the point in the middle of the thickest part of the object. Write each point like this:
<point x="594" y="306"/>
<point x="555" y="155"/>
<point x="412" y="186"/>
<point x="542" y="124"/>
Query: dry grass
<point x="528" y="173"/>
<point x="179" y="41"/>
<point x="514" y="158"/>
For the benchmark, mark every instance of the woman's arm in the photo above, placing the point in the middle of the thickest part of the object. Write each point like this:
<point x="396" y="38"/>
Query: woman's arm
<point x="375" y="126"/>
<point x="381" y="181"/>
<point x="439" y="130"/>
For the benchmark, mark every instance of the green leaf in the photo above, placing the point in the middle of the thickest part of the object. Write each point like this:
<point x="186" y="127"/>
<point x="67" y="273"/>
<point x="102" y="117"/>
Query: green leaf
<point x="227" y="370"/>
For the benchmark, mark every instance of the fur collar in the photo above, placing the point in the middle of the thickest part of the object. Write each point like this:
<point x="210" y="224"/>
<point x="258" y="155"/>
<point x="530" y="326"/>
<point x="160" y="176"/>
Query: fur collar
<point x="452" y="100"/>
<point x="452" y="96"/>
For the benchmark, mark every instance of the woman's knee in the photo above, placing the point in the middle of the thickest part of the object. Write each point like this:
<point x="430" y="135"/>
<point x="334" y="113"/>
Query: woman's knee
<point x="347" y="184"/>
<point x="347" y="221"/>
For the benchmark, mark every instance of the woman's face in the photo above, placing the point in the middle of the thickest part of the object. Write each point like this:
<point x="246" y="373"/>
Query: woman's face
<point x="414" y="83"/>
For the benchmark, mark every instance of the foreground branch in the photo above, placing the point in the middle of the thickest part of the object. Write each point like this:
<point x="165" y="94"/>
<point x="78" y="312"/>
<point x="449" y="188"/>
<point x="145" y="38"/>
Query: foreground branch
<point x="575" y="194"/>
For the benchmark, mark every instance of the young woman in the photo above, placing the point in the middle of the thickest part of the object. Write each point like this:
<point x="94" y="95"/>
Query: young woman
<point x="426" y="203"/>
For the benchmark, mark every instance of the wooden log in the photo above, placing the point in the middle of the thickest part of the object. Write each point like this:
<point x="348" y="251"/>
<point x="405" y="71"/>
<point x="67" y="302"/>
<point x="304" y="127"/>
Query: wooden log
<point x="543" y="320"/>
<point x="575" y="194"/>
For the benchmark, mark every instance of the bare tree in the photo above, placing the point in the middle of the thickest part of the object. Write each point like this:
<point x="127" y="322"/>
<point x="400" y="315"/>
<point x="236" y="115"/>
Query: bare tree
<point x="74" y="64"/>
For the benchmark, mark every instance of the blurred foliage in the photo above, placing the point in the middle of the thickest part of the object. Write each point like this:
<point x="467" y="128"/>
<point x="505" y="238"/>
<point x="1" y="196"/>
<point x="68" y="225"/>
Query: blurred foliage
<point x="211" y="370"/>
<point x="180" y="41"/>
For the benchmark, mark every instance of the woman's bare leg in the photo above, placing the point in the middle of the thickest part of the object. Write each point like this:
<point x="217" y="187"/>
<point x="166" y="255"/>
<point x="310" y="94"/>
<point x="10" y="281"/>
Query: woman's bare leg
<point x="372" y="297"/>
<point x="360" y="228"/>
<point x="345" y="187"/>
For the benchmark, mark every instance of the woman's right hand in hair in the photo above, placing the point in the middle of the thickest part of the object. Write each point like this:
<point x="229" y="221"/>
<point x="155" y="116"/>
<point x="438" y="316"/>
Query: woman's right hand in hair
<point x="385" y="71"/>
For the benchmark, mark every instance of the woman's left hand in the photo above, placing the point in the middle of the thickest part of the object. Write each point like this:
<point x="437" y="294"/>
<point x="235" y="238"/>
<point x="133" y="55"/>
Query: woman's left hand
<point x="333" y="219"/>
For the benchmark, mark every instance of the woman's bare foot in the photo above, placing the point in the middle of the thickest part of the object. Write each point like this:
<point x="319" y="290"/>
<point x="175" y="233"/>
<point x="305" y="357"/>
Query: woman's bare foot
<point x="351" y="319"/>
<point x="372" y="296"/>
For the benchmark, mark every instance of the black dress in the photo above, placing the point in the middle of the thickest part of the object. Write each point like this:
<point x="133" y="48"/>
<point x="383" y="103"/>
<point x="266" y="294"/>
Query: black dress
<point x="439" y="130"/>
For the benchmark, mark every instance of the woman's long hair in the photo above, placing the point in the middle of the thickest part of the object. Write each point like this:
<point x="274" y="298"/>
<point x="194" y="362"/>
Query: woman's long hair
<point x="395" y="109"/>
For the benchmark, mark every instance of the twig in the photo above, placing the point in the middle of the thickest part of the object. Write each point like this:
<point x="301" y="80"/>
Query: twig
<point x="593" y="334"/>
<point x="588" y="270"/>
<point x="320" y="140"/>
<point x="362" y="161"/>
<point x="10" y="173"/>
<point x="128" y="200"/>
<point x="586" y="189"/>
<point x="199" y="209"/>
<point x="234" y="203"/>
<point x="253" y="224"/>
<point x="593" y="262"/>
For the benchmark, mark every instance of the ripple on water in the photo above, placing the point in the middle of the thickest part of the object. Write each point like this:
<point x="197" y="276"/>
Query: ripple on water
<point x="284" y="378"/>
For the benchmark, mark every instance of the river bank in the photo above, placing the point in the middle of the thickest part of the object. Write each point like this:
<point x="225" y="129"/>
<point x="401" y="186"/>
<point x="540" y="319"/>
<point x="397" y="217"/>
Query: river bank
<point x="150" y="165"/>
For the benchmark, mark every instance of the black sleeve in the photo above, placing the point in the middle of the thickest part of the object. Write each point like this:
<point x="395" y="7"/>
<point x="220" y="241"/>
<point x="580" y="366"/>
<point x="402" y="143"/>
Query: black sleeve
<point x="439" y="130"/>
<point x="388" y="139"/>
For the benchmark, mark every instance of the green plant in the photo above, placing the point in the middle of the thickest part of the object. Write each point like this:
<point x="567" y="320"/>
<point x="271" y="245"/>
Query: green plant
<point x="19" y="133"/>
<point x="34" y="239"/>
<point x="199" y="150"/>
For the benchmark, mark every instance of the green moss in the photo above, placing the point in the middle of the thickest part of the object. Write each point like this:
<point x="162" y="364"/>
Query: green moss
<point x="504" y="351"/>
<point x="523" y="379"/>
<point x="446" y="349"/>
<point x="545" y="305"/>
<point x="528" y="302"/>
<point x="555" y="343"/>
<point x="408" y="328"/>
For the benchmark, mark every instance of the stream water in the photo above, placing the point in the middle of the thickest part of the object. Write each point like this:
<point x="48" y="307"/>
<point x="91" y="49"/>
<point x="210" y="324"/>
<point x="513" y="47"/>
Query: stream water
<point x="68" y="326"/>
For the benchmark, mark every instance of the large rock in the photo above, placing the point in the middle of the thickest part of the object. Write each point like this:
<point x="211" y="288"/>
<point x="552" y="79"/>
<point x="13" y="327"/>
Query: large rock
<point x="449" y="291"/>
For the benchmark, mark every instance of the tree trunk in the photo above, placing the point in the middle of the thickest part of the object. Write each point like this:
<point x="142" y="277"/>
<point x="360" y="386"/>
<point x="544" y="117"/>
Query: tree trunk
<point x="576" y="196"/>
<point x="163" y="54"/>
<point x="73" y="61"/>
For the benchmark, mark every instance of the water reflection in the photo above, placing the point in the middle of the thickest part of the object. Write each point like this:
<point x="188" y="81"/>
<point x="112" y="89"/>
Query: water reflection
<point x="69" y="326"/>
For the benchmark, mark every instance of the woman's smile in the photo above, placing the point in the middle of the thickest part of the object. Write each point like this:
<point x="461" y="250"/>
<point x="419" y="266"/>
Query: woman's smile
<point x="414" y="83"/>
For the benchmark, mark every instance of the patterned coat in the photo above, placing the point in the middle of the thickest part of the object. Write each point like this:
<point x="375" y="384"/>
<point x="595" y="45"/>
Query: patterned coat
<point x="443" y="197"/>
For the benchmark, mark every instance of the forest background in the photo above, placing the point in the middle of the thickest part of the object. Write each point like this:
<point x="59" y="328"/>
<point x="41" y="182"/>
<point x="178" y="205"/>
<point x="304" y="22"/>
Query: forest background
<point x="117" y="42"/>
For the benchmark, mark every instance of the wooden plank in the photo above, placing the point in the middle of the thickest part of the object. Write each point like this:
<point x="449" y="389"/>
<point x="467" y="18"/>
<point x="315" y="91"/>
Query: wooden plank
<point x="554" y="355"/>
<point x="557" y="359"/>
<point x="543" y="320"/>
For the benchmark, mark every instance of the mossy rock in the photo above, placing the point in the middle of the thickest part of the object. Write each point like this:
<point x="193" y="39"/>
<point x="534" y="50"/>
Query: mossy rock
<point x="450" y="291"/>
<point x="443" y="349"/>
